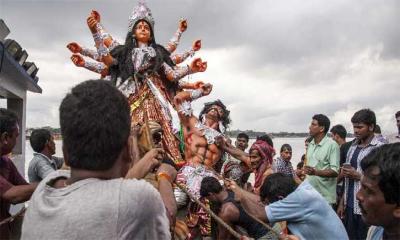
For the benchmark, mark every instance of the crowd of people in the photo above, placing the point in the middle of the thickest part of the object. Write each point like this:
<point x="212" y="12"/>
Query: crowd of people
<point x="102" y="186"/>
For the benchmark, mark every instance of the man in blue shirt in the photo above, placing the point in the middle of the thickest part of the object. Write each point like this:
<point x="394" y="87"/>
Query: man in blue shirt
<point x="308" y="214"/>
<point x="379" y="195"/>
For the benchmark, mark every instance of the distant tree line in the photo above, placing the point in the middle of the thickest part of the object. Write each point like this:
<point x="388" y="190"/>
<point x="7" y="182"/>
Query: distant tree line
<point x="231" y="133"/>
<point x="255" y="134"/>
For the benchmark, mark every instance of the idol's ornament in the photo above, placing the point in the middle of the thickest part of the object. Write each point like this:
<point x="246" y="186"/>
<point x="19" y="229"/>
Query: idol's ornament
<point x="149" y="74"/>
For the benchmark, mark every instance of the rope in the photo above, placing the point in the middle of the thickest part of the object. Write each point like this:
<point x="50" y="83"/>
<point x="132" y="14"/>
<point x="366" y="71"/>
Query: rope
<point x="221" y="177"/>
<point x="11" y="218"/>
<point x="254" y="217"/>
<point x="212" y="214"/>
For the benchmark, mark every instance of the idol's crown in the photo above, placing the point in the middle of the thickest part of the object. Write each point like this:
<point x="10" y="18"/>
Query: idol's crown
<point x="141" y="12"/>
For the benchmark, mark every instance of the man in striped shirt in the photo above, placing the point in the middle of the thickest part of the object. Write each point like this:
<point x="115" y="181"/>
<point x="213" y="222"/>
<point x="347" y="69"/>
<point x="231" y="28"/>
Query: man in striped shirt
<point x="364" y="122"/>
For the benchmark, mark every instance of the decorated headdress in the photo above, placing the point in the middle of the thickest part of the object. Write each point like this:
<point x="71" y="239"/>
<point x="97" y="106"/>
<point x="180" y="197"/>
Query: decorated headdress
<point x="140" y="12"/>
<point x="225" y="119"/>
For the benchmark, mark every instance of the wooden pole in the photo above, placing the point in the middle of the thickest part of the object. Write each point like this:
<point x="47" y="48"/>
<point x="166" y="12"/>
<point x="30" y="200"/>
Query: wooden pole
<point x="10" y="219"/>
<point x="254" y="217"/>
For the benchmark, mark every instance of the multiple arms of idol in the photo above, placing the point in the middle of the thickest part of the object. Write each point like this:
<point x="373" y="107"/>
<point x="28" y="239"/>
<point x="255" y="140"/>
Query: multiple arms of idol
<point x="105" y="43"/>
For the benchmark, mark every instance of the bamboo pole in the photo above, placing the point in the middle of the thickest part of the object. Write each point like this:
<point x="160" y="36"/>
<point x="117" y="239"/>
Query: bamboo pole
<point x="221" y="177"/>
<point x="11" y="218"/>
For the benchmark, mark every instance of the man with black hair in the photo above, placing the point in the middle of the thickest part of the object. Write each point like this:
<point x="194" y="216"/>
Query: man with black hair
<point x="93" y="200"/>
<point x="43" y="162"/>
<point x="242" y="141"/>
<point x="201" y="151"/>
<point x="396" y="137"/>
<point x="13" y="187"/>
<point x="364" y="122"/>
<point x="339" y="134"/>
<point x="379" y="195"/>
<point x="307" y="213"/>
<point x="282" y="163"/>
<point x="231" y="211"/>
<point x="234" y="168"/>
<point x="322" y="164"/>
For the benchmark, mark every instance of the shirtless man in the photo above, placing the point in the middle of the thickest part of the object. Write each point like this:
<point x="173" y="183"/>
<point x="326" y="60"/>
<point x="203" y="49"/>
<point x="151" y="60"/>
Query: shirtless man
<point x="201" y="152"/>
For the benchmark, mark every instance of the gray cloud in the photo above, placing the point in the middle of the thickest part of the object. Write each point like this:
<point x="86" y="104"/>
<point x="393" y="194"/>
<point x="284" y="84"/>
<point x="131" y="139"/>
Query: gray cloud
<point x="274" y="63"/>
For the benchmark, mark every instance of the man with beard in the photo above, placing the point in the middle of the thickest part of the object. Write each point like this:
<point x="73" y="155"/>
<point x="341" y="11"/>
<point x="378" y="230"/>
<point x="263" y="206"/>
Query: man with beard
<point x="364" y="122"/>
<point x="379" y="195"/>
<point x="201" y="152"/>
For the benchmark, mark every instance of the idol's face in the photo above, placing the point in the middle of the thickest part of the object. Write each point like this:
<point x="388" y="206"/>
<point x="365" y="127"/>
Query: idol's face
<point x="215" y="112"/>
<point x="143" y="32"/>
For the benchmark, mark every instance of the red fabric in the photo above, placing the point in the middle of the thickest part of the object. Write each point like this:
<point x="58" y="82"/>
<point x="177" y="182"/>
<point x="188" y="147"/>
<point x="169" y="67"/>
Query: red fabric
<point x="266" y="152"/>
<point x="9" y="176"/>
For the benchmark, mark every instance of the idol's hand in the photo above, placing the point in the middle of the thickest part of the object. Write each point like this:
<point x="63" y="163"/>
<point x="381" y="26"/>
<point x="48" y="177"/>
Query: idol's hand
<point x="95" y="15"/>
<point x="220" y="141"/>
<point x="136" y="130"/>
<point x="196" y="45"/>
<point x="182" y="25"/>
<point x="198" y="66"/>
<point x="92" y="22"/>
<point x="74" y="47"/>
<point x="78" y="60"/>
<point x="198" y="84"/>
<point x="206" y="89"/>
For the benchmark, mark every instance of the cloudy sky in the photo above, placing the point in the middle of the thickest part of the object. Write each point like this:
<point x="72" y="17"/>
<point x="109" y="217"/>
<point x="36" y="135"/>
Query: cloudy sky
<point x="274" y="63"/>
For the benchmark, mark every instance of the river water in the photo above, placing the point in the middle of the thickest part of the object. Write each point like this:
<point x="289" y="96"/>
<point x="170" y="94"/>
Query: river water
<point x="296" y="143"/>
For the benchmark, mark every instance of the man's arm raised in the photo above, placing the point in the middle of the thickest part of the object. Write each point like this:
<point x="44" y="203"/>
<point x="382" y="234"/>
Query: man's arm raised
<point x="182" y="103"/>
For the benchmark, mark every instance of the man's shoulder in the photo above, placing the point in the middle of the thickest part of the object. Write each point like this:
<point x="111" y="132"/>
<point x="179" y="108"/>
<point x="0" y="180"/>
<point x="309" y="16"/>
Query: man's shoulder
<point x="375" y="233"/>
<point x="331" y="143"/>
<point x="138" y="189"/>
<point x="346" y="145"/>
<point x="393" y="138"/>
<point x="307" y="191"/>
<point x="229" y="212"/>
<point x="37" y="159"/>
<point x="5" y="162"/>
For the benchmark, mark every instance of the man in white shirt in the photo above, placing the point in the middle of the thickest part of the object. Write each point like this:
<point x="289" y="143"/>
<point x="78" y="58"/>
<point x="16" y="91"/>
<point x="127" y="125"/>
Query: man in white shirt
<point x="93" y="200"/>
